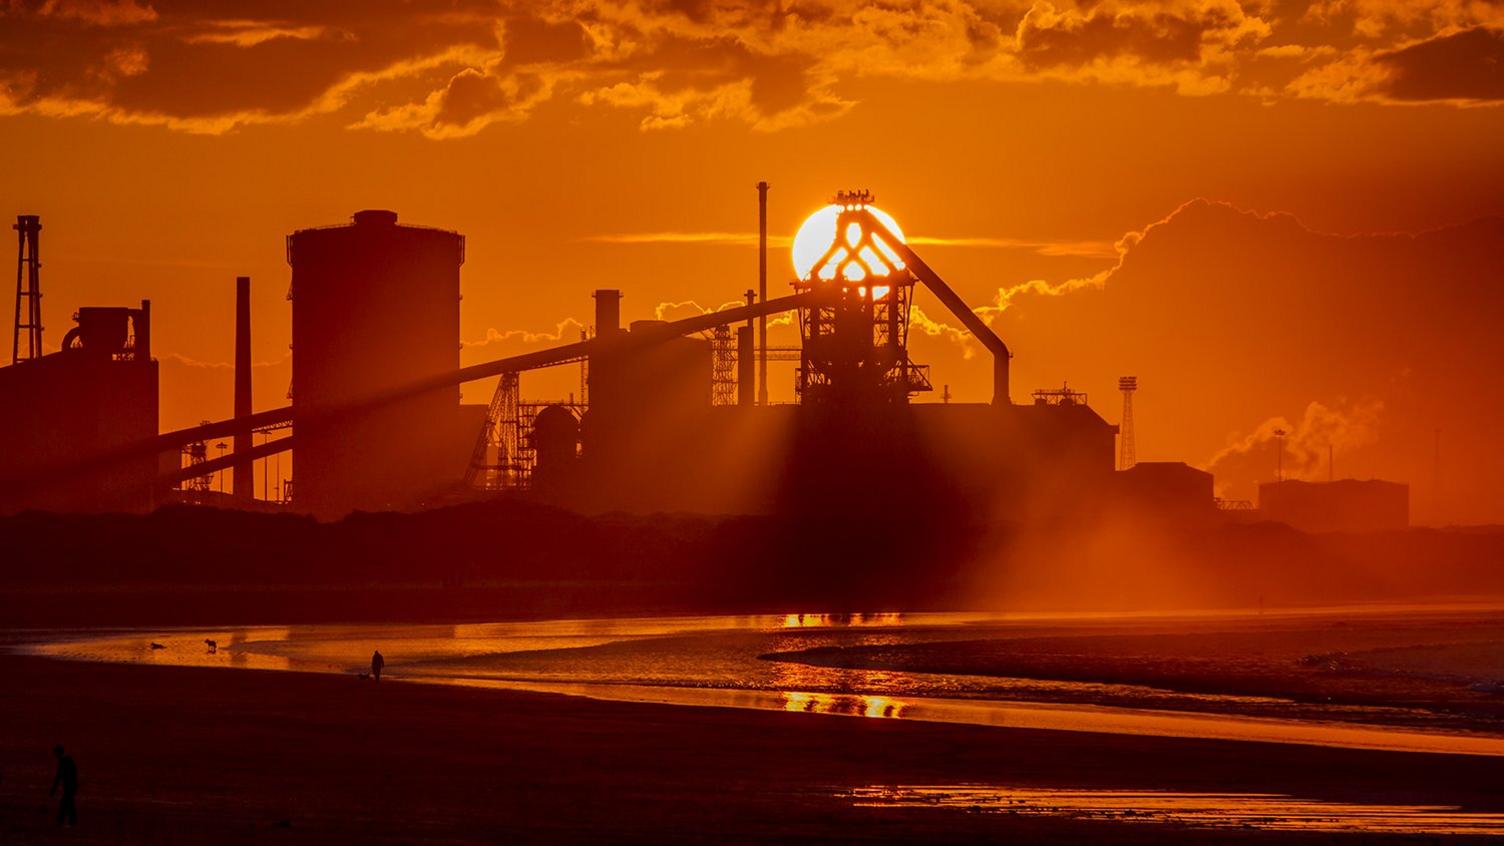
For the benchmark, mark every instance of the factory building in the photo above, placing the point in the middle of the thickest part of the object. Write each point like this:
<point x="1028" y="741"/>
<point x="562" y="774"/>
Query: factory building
<point x="1171" y="488"/>
<point x="853" y="445"/>
<point x="375" y="325"/>
<point x="669" y="422"/>
<point x="70" y="419"/>
<point x="1344" y="505"/>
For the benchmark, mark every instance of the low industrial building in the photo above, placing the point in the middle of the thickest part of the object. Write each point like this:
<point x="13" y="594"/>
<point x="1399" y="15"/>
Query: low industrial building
<point x="1344" y="505"/>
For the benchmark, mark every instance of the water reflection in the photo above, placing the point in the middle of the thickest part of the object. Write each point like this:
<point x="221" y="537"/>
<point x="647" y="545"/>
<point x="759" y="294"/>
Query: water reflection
<point x="1266" y="811"/>
<point x="802" y="621"/>
<point x="880" y="707"/>
<point x="720" y="661"/>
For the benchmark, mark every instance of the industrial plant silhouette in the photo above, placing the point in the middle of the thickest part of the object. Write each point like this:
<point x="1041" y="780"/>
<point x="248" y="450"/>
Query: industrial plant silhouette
<point x="671" y="416"/>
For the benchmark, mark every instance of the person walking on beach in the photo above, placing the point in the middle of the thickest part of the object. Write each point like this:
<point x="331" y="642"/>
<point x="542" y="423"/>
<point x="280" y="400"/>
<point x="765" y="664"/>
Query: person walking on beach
<point x="67" y="779"/>
<point x="377" y="662"/>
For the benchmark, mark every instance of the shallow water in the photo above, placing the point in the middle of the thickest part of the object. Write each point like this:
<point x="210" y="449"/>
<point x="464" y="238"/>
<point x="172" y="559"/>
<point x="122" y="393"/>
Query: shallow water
<point x="717" y="661"/>
<point x="1266" y="811"/>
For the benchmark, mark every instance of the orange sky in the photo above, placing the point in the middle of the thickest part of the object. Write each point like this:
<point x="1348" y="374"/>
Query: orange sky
<point x="171" y="146"/>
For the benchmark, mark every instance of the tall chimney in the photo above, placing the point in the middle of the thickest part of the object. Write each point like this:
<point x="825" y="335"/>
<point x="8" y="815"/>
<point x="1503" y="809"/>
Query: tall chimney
<point x="607" y="312"/>
<point x="244" y="484"/>
<point x="142" y="328"/>
<point x="762" y="292"/>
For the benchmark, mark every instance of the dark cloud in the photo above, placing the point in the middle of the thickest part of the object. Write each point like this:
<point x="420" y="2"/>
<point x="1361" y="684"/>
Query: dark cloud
<point x="92" y="12"/>
<point x="1467" y="65"/>
<point x="472" y="95"/>
<point x="531" y="40"/>
<point x="1052" y="39"/>
<point x="455" y="66"/>
<point x="206" y="66"/>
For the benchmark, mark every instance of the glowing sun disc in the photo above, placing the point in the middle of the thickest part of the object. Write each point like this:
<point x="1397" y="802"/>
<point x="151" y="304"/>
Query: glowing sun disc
<point x="818" y="232"/>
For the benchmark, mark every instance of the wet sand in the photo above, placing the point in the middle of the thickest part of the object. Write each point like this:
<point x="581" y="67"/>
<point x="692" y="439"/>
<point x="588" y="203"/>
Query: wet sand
<point x="205" y="755"/>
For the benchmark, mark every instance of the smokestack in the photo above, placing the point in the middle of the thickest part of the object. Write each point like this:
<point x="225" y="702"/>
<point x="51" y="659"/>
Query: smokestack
<point x="762" y="292"/>
<point x="244" y="484"/>
<point x="607" y="312"/>
<point x="143" y="332"/>
<point x="744" y="371"/>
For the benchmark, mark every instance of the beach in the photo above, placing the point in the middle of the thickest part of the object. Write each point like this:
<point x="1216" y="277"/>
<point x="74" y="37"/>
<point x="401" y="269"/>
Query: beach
<point x="189" y="755"/>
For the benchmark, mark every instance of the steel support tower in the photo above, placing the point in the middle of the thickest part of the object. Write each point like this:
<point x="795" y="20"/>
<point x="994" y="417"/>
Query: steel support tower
<point x="723" y="383"/>
<point x="28" y="290"/>
<point x="495" y="464"/>
<point x="1127" y="450"/>
<point x="855" y="331"/>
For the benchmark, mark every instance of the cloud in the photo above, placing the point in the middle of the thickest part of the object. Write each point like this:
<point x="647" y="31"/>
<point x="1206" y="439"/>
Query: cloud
<point x="469" y="102"/>
<point x="1463" y="67"/>
<point x="1190" y="46"/>
<point x="689" y="308"/>
<point x="252" y="33"/>
<point x="92" y="12"/>
<point x="214" y="67"/>
<point x="451" y="68"/>
<point x="923" y="323"/>
<point x="1466" y="65"/>
<point x="564" y="331"/>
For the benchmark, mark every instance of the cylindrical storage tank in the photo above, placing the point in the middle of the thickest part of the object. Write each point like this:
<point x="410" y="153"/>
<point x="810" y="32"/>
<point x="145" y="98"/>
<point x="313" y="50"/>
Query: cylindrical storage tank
<point x="556" y="438"/>
<point x="375" y="312"/>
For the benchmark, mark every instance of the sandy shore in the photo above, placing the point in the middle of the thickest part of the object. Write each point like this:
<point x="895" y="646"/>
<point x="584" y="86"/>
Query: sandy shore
<point x="172" y="755"/>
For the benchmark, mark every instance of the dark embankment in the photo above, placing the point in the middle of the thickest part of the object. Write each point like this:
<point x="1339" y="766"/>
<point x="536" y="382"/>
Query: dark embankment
<point x="510" y="558"/>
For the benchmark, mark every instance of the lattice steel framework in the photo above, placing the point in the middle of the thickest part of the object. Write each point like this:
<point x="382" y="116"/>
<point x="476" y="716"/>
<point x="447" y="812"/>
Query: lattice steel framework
<point x="722" y="366"/>
<point x="1127" y="450"/>
<point x="28" y="290"/>
<point x="855" y="335"/>
<point x="495" y="463"/>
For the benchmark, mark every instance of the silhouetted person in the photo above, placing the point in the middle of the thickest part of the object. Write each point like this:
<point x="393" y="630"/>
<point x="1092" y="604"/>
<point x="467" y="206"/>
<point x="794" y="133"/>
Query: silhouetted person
<point x="67" y="779"/>
<point x="377" y="662"/>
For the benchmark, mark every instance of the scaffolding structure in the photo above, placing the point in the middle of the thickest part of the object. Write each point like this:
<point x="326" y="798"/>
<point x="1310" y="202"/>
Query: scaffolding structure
<point x="723" y="359"/>
<point x="195" y="454"/>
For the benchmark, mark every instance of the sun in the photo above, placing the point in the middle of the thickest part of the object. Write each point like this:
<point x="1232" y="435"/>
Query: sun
<point x="818" y="233"/>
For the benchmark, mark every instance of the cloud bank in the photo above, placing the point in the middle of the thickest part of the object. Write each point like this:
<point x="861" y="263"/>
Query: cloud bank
<point x="451" y="68"/>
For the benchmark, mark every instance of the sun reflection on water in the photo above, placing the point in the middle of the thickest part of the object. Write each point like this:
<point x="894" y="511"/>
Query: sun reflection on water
<point x="821" y="621"/>
<point x="848" y="705"/>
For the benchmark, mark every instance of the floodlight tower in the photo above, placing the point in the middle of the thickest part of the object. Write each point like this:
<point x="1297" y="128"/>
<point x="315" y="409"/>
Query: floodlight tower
<point x="1127" y="450"/>
<point x="855" y="334"/>
<point x="28" y="290"/>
